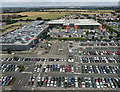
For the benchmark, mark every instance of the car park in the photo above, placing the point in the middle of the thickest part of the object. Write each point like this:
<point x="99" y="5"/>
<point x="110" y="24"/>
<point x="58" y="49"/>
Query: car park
<point x="101" y="52"/>
<point x="78" y="82"/>
<point x="37" y="68"/>
<point x="31" y="80"/>
<point x="99" y="59"/>
<point x="58" y="68"/>
<point x="9" y="67"/>
<point x="100" y="69"/>
<point x="34" y="59"/>
<point x="6" y="80"/>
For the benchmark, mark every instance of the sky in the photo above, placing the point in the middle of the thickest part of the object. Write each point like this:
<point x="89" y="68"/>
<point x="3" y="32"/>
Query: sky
<point x="60" y="0"/>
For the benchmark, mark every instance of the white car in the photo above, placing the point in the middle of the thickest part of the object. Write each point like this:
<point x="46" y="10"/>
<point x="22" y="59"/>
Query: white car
<point x="48" y="84"/>
<point x="51" y="85"/>
<point x="16" y="69"/>
<point x="70" y="60"/>
<point x="46" y="69"/>
<point x="76" y="84"/>
<point x="55" y="84"/>
<point x="38" y="70"/>
<point x="60" y="69"/>
<point x="63" y="70"/>
<point x="83" y="84"/>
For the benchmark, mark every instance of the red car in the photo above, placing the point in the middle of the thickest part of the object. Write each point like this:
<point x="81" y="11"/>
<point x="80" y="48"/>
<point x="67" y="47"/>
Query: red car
<point x="33" y="59"/>
<point x="69" y="70"/>
<point x="28" y="83"/>
<point x="104" y="53"/>
<point x="96" y="80"/>
<point x="110" y="52"/>
<point x="99" y="61"/>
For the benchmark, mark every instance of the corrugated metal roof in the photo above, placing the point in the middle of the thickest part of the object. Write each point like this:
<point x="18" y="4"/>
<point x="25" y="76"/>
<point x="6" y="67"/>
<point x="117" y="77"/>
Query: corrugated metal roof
<point x="75" y="22"/>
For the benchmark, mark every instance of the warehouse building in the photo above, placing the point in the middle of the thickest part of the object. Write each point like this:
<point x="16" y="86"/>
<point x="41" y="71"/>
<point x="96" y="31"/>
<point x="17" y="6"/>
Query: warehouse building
<point x="76" y="23"/>
<point x="23" y="38"/>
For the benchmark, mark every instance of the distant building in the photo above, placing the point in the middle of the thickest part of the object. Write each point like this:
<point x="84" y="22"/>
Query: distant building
<point x="76" y="23"/>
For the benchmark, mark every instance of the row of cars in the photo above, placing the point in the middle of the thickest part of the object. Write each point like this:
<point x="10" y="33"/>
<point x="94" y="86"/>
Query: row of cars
<point x="58" y="68"/>
<point x="102" y="52"/>
<point x="100" y="59"/>
<point x="31" y="80"/>
<point x="114" y="24"/>
<point x="96" y="41"/>
<point x="64" y="33"/>
<point x="9" y="67"/>
<point x="99" y="48"/>
<point x="6" y="80"/>
<point x="78" y="82"/>
<point x="37" y="68"/>
<point x="32" y="59"/>
<point x="70" y="58"/>
<point x="99" y="44"/>
<point x="100" y="69"/>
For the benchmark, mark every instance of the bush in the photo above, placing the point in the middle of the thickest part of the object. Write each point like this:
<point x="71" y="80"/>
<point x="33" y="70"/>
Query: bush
<point x="15" y="57"/>
<point x="41" y="46"/>
<point x="38" y="18"/>
<point x="8" y="51"/>
<point x="46" y="51"/>
<point x="21" y="67"/>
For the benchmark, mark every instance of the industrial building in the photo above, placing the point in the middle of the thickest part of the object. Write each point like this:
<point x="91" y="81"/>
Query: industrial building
<point x="76" y="23"/>
<point x="23" y="38"/>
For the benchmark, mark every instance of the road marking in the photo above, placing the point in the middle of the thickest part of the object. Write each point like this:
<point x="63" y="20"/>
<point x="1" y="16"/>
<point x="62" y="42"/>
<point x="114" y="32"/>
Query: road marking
<point x="32" y="88"/>
<point x="7" y="88"/>
<point x="19" y="81"/>
<point x="26" y="68"/>
<point x="27" y="72"/>
<point x="76" y="73"/>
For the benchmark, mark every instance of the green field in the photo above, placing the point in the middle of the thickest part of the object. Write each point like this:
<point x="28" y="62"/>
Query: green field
<point x="52" y="15"/>
<point x="44" y="15"/>
<point x="7" y="28"/>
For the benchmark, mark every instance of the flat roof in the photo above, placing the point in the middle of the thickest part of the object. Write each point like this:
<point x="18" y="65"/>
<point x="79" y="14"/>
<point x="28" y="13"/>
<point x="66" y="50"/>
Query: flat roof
<point x="75" y="22"/>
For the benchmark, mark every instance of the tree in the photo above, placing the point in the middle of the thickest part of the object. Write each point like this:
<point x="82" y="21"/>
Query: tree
<point x="81" y="27"/>
<point x="20" y="24"/>
<point x="8" y="19"/>
<point x="91" y="28"/>
<point x="38" y="18"/>
<point x="76" y="18"/>
<point x="93" y="37"/>
<point x="16" y="57"/>
<point x="27" y="20"/>
<point x="21" y="19"/>
<point x="48" y="36"/>
<point x="69" y="35"/>
<point x="118" y="35"/>
<point x="8" y="51"/>
<point x="110" y="37"/>
<point x="21" y="68"/>
<point x="101" y="37"/>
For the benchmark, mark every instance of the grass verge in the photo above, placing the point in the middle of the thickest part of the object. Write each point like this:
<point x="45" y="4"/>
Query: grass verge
<point x="12" y="81"/>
